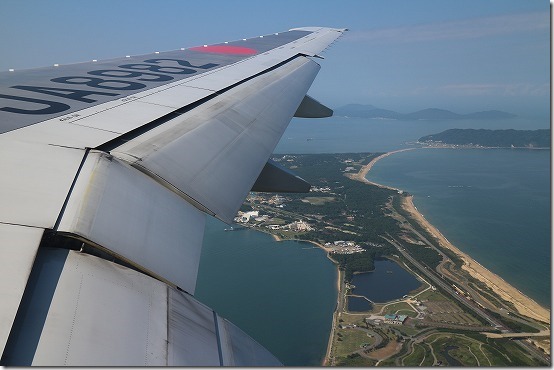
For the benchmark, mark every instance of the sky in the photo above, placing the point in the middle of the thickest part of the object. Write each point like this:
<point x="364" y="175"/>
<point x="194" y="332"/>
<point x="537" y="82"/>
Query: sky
<point x="404" y="55"/>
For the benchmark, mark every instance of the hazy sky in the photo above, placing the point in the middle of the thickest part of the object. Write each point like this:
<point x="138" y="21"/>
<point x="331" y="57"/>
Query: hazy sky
<point x="463" y="55"/>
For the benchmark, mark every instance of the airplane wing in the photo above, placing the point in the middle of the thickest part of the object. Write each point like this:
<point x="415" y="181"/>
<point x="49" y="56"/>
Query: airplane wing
<point x="109" y="170"/>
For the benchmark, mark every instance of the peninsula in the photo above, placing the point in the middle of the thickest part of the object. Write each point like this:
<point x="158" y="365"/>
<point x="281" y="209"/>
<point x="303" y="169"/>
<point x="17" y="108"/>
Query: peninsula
<point x="490" y="138"/>
<point x="370" y="111"/>
<point x="462" y="314"/>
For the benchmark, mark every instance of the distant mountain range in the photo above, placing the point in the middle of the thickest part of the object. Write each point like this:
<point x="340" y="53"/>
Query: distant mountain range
<point x="370" y="111"/>
<point x="491" y="138"/>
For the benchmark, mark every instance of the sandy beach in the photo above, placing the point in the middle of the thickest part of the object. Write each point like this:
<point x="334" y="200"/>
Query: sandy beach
<point x="524" y="305"/>
<point x="361" y="175"/>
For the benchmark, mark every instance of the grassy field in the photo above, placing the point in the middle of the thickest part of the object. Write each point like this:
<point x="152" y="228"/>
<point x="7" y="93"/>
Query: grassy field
<point x="318" y="201"/>
<point x="421" y="356"/>
<point x="355" y="361"/>
<point x="400" y="308"/>
<point x="352" y="340"/>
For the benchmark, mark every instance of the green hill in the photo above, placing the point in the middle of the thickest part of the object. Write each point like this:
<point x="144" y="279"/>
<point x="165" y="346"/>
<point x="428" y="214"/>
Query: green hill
<point x="492" y="138"/>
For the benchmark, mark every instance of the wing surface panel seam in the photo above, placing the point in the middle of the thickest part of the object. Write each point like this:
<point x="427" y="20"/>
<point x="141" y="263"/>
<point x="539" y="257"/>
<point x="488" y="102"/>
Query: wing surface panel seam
<point x="23" y="225"/>
<point x="219" y="351"/>
<point x="114" y="143"/>
<point x="66" y="201"/>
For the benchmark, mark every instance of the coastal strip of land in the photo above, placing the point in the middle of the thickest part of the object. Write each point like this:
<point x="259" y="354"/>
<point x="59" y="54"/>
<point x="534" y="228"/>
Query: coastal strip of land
<point x="524" y="305"/>
<point x="361" y="175"/>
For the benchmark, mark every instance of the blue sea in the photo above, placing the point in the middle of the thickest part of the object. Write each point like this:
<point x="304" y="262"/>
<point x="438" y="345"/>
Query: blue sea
<point x="492" y="204"/>
<point x="283" y="294"/>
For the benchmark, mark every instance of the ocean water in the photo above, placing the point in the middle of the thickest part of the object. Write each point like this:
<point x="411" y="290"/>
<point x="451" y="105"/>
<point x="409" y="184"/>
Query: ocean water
<point x="359" y="135"/>
<point x="290" y="310"/>
<point x="493" y="204"/>
<point x="282" y="294"/>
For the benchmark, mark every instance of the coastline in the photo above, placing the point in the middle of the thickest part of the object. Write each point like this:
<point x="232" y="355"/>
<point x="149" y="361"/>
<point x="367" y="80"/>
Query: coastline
<point x="361" y="175"/>
<point x="524" y="305"/>
<point x="461" y="269"/>
<point x="325" y="361"/>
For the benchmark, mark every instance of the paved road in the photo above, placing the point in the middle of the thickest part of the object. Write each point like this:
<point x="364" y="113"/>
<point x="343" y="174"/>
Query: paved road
<point x="542" y="333"/>
<point x="439" y="282"/>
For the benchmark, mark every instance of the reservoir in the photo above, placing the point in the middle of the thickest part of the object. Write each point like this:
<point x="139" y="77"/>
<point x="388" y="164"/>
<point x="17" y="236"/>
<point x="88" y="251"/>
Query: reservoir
<point x="387" y="282"/>
<point x="359" y="304"/>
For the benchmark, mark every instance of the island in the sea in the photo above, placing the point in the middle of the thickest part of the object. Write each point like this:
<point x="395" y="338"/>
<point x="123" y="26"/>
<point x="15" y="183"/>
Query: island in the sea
<point x="490" y="138"/>
<point x="460" y="314"/>
<point x="370" y="111"/>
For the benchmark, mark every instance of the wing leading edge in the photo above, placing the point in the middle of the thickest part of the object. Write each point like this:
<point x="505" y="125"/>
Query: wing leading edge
<point x="113" y="167"/>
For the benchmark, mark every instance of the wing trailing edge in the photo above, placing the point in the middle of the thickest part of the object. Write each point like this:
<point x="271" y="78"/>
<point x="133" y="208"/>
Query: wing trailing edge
<point x="275" y="178"/>
<point x="311" y="108"/>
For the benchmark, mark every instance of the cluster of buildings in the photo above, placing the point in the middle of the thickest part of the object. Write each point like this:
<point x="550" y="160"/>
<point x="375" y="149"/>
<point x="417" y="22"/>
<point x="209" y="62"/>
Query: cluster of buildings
<point x="377" y="245"/>
<point x="392" y="319"/>
<point x="395" y="319"/>
<point x="275" y="200"/>
<point x="254" y="216"/>
<point x="322" y="189"/>
<point x="293" y="226"/>
<point x="344" y="247"/>
<point x="245" y="217"/>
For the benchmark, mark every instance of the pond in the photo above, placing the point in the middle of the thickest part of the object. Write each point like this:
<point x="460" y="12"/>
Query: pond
<point x="387" y="282"/>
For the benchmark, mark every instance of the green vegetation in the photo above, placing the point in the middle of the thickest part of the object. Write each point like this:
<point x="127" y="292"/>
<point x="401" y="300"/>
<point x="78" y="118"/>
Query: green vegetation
<point x="505" y="352"/>
<point x="420" y="356"/>
<point x="355" y="360"/>
<point x="352" y="340"/>
<point x="336" y="200"/>
<point x="359" y="262"/>
<point x="516" y="326"/>
<point x="396" y="201"/>
<point x="318" y="201"/>
<point x="424" y="254"/>
<point x="401" y="308"/>
<point x="492" y="138"/>
<point x="341" y="209"/>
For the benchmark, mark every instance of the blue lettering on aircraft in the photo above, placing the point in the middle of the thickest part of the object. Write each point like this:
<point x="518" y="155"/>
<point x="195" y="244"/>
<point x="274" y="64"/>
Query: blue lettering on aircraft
<point x="115" y="81"/>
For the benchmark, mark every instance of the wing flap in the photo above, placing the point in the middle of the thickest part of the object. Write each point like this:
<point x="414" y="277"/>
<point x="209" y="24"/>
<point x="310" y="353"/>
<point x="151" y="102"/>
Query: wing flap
<point x="103" y="314"/>
<point x="117" y="208"/>
<point x="311" y="108"/>
<point x="238" y="349"/>
<point x="275" y="178"/>
<point x="215" y="153"/>
<point x="37" y="181"/>
<point x="18" y="248"/>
